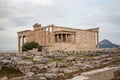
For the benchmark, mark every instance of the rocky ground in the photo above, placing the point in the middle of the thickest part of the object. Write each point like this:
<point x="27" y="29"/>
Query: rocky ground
<point x="33" y="65"/>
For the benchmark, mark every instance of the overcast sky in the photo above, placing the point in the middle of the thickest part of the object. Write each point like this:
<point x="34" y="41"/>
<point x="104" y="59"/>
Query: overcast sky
<point x="18" y="15"/>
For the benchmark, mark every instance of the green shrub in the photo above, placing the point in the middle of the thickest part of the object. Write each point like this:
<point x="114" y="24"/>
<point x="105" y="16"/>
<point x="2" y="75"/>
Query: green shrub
<point x="40" y="48"/>
<point x="30" y="45"/>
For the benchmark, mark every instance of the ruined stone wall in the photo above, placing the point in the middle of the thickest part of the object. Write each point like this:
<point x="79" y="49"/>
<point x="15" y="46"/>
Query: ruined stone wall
<point x="85" y="40"/>
<point x="30" y="36"/>
<point x="58" y="28"/>
<point x="43" y="36"/>
<point x="78" y="39"/>
<point x="64" y="46"/>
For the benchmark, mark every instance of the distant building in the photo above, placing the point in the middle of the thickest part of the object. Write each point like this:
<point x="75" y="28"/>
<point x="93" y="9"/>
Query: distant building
<point x="55" y="38"/>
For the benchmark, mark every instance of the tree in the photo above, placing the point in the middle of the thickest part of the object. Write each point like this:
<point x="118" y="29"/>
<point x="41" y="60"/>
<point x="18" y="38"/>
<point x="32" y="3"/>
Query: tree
<point x="30" y="45"/>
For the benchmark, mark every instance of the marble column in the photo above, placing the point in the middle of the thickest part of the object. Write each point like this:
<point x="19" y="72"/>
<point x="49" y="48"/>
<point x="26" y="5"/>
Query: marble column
<point x="44" y="36"/>
<point x="70" y="38"/>
<point x="52" y="35"/>
<point x="74" y="38"/>
<point x="65" y="37"/>
<point x="57" y="37"/>
<point x="61" y="37"/>
<point x="19" y="44"/>
<point x="97" y="39"/>
<point x="40" y="37"/>
<point x="22" y="40"/>
<point x="49" y="36"/>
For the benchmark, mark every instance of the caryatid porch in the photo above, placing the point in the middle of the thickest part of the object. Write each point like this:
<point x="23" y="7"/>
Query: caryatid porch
<point x="65" y="36"/>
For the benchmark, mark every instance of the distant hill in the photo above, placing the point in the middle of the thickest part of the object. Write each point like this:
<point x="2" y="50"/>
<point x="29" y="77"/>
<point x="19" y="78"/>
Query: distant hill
<point x="107" y="44"/>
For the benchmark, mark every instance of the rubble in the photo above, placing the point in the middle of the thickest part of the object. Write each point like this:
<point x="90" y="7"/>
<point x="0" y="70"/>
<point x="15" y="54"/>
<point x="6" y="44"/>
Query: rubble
<point x="57" y="65"/>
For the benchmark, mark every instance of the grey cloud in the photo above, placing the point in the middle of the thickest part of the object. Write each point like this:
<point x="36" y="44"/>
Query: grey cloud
<point x="72" y="13"/>
<point x="2" y="29"/>
<point x="26" y="15"/>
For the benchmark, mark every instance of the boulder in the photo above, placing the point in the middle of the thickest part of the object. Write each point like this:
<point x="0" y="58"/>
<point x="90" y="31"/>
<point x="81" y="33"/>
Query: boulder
<point x="16" y="59"/>
<point x="50" y="75"/>
<point x="80" y="78"/>
<point x="70" y="58"/>
<point x="53" y="70"/>
<point x="44" y="60"/>
<point x="43" y="78"/>
<point x="60" y="64"/>
<point x="1" y="58"/>
<point x="29" y="74"/>
<point x="67" y="71"/>
<point x="4" y="78"/>
<point x="60" y="74"/>
<point x="37" y="58"/>
<point x="40" y="66"/>
<point x="52" y="64"/>
<point x="5" y="61"/>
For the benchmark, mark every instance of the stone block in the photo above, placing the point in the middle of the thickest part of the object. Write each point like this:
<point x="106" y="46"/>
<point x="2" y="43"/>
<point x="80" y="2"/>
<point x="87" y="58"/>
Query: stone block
<point x="29" y="74"/>
<point x="50" y="75"/>
<point x="100" y="74"/>
<point x="80" y="78"/>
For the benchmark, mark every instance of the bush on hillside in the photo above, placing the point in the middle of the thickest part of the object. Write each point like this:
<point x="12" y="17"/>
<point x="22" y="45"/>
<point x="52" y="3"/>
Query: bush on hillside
<point x="30" y="45"/>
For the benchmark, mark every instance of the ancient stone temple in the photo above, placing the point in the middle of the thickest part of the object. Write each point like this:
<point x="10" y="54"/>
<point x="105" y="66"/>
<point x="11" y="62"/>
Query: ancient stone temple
<point x="55" y="38"/>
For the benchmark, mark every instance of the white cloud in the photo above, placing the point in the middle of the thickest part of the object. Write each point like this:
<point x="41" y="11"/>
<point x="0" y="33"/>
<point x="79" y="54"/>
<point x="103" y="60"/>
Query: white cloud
<point x="18" y="15"/>
<point x="30" y="2"/>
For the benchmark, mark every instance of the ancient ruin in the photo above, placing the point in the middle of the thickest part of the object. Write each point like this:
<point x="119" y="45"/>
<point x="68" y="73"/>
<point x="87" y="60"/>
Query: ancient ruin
<point x="67" y="65"/>
<point x="55" y="38"/>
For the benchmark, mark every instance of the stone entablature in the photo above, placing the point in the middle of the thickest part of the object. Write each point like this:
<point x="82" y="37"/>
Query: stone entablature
<point x="55" y="38"/>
